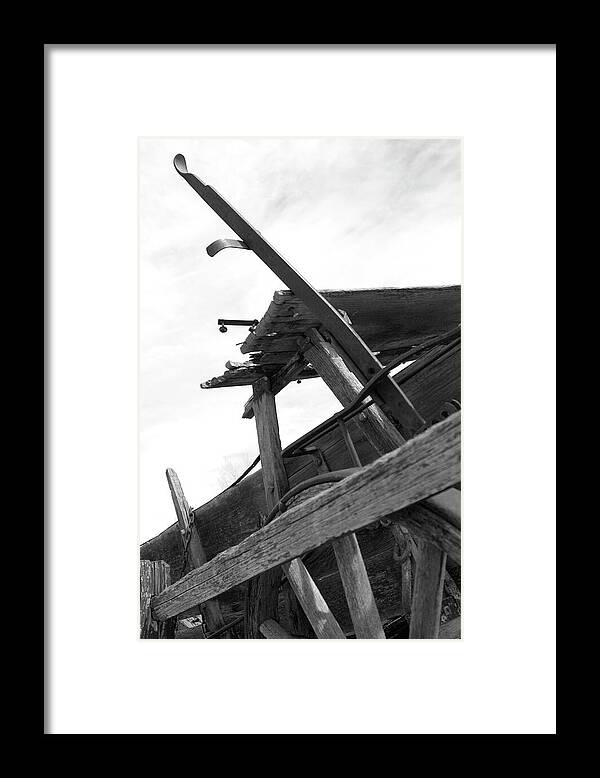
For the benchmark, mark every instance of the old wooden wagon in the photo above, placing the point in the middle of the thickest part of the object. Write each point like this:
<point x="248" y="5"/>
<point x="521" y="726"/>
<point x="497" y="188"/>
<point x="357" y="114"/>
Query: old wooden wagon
<point x="352" y="531"/>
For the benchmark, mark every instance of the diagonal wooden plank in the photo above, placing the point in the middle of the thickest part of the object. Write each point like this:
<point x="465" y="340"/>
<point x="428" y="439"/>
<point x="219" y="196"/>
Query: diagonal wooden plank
<point x="359" y="595"/>
<point x="310" y="598"/>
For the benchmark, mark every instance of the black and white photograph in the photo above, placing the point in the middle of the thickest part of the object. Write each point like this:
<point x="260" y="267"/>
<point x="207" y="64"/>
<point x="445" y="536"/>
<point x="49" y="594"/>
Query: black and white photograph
<point x="300" y="386"/>
<point x="300" y="405"/>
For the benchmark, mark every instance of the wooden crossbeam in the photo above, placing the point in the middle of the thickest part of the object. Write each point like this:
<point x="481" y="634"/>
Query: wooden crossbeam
<point x="425" y="465"/>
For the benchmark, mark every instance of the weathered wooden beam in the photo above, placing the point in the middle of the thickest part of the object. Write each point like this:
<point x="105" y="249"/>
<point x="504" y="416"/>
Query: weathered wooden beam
<point x="196" y="556"/>
<point x="272" y="630"/>
<point x="359" y="595"/>
<point x="425" y="465"/>
<point x="155" y="577"/>
<point x="263" y="591"/>
<point x="310" y="598"/>
<point x="428" y="591"/>
<point x="330" y="365"/>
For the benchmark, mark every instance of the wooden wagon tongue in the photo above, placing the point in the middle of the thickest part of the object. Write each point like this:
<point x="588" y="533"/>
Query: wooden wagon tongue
<point x="306" y="333"/>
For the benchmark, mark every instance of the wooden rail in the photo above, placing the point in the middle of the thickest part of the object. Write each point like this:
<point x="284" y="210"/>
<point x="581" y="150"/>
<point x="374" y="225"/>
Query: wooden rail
<point x="424" y="466"/>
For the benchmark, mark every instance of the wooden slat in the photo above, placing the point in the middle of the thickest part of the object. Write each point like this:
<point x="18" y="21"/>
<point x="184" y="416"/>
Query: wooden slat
<point x="427" y="597"/>
<point x="359" y="595"/>
<point x="425" y="465"/>
<point x="272" y="630"/>
<point x="310" y="598"/>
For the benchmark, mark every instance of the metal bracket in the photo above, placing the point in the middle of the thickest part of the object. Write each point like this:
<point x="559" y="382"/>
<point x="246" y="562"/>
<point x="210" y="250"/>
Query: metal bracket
<point x="225" y="243"/>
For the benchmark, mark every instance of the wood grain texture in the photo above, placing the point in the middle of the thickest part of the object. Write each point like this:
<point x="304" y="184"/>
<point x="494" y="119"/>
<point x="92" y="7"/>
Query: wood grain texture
<point x="359" y="595"/>
<point x="426" y="465"/>
<point x="272" y="630"/>
<point x="428" y="591"/>
<point x="263" y="591"/>
<point x="384" y="318"/>
<point x="342" y="382"/>
<point x="155" y="577"/>
<point x="310" y="598"/>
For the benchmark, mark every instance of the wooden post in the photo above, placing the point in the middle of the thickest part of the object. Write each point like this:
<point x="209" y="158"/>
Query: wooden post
<point x="154" y="578"/>
<point x="428" y="591"/>
<point x="194" y="551"/>
<point x="263" y="591"/>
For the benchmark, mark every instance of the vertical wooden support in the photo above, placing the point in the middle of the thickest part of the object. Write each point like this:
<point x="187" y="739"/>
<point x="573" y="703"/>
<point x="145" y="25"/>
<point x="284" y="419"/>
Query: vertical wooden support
<point x="404" y="543"/>
<point x="154" y="577"/>
<point x="428" y="591"/>
<point x="263" y="591"/>
<point x="193" y="548"/>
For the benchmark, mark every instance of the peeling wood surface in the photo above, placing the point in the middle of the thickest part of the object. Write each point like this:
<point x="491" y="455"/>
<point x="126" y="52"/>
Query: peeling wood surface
<point x="384" y="318"/>
<point x="423" y="466"/>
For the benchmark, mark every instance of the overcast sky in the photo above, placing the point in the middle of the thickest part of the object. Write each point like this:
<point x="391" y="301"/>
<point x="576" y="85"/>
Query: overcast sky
<point x="347" y="213"/>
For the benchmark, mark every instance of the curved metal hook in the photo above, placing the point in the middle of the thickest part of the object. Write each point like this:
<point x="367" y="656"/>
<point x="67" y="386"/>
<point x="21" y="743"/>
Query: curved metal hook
<point x="181" y="167"/>
<point x="225" y="243"/>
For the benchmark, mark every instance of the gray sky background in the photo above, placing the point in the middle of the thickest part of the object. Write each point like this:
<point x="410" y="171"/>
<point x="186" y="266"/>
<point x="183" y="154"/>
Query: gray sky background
<point x="348" y="213"/>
